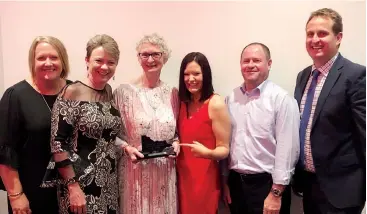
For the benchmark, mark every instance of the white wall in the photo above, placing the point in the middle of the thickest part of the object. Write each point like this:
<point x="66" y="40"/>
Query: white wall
<point x="3" y="203"/>
<point x="1" y="65"/>
<point x="218" y="29"/>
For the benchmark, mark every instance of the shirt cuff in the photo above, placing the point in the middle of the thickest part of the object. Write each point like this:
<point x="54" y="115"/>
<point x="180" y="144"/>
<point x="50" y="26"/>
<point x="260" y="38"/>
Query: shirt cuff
<point x="282" y="177"/>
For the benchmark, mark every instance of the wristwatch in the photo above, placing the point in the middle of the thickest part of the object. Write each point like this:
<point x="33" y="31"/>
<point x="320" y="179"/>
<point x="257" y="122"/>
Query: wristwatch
<point x="276" y="192"/>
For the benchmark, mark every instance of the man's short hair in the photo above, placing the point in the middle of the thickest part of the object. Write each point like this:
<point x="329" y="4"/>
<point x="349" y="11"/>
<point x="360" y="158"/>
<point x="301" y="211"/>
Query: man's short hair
<point x="264" y="47"/>
<point x="331" y="14"/>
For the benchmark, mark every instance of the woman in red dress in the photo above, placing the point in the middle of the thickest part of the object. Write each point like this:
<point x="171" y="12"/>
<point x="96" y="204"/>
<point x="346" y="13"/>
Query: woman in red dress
<point x="204" y="130"/>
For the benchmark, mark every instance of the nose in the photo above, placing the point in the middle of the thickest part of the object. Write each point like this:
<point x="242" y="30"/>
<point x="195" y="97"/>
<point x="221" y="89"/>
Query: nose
<point x="315" y="38"/>
<point x="251" y="64"/>
<point x="48" y="61"/>
<point x="191" y="78"/>
<point x="150" y="58"/>
<point x="104" y="66"/>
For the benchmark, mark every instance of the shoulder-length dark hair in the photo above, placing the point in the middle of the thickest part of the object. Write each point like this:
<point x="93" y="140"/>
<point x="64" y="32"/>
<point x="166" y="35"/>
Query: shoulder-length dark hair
<point x="207" y="86"/>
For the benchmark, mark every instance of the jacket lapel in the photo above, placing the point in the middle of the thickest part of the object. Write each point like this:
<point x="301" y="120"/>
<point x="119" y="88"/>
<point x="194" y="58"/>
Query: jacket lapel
<point x="330" y="81"/>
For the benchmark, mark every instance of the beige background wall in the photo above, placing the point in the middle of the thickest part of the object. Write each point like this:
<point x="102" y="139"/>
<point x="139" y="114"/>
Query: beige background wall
<point x="218" y="29"/>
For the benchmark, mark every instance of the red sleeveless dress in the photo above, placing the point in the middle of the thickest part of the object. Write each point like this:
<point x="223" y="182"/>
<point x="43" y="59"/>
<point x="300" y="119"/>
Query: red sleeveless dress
<point x="198" y="178"/>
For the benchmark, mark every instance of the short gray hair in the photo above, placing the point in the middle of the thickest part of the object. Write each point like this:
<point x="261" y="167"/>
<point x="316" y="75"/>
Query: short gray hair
<point x="157" y="40"/>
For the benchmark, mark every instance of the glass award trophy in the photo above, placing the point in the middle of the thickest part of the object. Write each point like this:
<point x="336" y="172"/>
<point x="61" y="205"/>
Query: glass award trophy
<point x="155" y="149"/>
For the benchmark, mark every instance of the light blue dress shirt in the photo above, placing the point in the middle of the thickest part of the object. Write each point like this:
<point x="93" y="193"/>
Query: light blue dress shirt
<point x="265" y="131"/>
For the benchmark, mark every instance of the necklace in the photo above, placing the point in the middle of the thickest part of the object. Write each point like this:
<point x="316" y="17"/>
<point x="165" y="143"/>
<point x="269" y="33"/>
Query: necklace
<point x="43" y="97"/>
<point x="46" y="103"/>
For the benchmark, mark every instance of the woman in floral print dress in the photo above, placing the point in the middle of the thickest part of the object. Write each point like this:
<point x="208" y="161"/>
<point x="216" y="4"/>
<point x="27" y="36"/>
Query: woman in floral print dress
<point x="84" y="127"/>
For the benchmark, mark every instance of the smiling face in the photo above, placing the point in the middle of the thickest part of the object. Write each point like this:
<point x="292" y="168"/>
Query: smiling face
<point x="193" y="78"/>
<point x="47" y="63"/>
<point x="101" y="66"/>
<point x="321" y="42"/>
<point x="150" y="58"/>
<point x="254" y="66"/>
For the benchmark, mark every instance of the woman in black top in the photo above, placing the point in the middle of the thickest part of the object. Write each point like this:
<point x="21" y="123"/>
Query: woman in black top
<point x="25" y="112"/>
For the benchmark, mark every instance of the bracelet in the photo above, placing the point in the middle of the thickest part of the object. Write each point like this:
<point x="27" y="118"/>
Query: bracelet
<point x="15" y="194"/>
<point x="70" y="181"/>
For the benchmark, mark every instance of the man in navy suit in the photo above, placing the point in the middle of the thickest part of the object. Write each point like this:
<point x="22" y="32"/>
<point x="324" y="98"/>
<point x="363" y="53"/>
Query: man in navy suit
<point x="331" y="95"/>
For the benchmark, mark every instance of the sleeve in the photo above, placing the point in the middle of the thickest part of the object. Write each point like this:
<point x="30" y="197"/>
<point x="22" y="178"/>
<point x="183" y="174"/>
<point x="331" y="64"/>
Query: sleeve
<point x="297" y="83"/>
<point x="175" y="103"/>
<point x="63" y="119"/>
<point x="10" y="127"/>
<point x="121" y="139"/>
<point x="287" y="140"/>
<point x="357" y="96"/>
<point x="64" y="138"/>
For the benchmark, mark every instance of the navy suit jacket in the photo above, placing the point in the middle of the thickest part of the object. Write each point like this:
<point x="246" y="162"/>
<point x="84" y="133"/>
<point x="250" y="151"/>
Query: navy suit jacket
<point x="338" y="133"/>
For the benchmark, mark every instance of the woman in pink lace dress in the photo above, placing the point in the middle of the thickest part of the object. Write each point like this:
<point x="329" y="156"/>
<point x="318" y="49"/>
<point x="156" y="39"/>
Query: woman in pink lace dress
<point x="149" y="108"/>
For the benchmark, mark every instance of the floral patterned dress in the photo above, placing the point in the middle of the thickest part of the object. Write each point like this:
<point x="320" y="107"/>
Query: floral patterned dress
<point x="149" y="186"/>
<point x="84" y="127"/>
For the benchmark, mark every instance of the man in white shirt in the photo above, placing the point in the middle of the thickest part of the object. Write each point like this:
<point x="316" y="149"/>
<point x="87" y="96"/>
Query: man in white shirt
<point x="264" y="148"/>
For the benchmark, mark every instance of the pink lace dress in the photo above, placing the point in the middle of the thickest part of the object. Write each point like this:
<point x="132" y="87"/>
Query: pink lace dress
<point x="148" y="186"/>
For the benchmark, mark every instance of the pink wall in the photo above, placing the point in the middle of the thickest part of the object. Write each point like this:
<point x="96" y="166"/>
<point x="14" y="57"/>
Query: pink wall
<point x="218" y="29"/>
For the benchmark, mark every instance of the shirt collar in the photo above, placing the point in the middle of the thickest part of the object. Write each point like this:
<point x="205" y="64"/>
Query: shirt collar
<point x="326" y="67"/>
<point x="256" y="91"/>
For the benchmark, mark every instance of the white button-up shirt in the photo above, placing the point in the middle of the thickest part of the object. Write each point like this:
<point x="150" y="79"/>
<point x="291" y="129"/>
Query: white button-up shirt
<point x="265" y="131"/>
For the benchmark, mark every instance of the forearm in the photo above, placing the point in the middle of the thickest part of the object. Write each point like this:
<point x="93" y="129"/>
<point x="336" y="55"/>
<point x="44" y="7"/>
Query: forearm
<point x="224" y="170"/>
<point x="223" y="166"/>
<point x="174" y="139"/>
<point x="287" y="142"/>
<point x="64" y="166"/>
<point x="219" y="153"/>
<point x="10" y="178"/>
<point x="284" y="166"/>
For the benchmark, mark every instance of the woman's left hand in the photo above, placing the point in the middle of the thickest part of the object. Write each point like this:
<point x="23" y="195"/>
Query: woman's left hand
<point x="176" y="149"/>
<point x="198" y="149"/>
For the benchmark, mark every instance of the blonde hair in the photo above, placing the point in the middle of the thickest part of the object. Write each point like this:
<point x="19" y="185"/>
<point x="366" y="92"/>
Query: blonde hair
<point x="60" y="49"/>
<point x="156" y="40"/>
<point x="105" y="41"/>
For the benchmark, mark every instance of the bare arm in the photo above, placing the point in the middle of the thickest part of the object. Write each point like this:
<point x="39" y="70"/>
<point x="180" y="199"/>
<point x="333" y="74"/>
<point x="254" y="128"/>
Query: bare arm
<point x="10" y="178"/>
<point x="221" y="126"/>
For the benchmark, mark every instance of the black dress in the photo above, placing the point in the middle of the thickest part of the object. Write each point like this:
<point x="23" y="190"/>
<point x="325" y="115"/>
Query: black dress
<point x="84" y="127"/>
<point x="25" y="142"/>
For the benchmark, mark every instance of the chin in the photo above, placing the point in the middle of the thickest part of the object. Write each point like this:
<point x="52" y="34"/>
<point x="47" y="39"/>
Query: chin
<point x="153" y="70"/>
<point x="105" y="80"/>
<point x="50" y="77"/>
<point x="194" y="91"/>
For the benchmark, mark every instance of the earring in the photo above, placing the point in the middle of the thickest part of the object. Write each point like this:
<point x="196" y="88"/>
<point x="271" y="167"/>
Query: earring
<point x="113" y="78"/>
